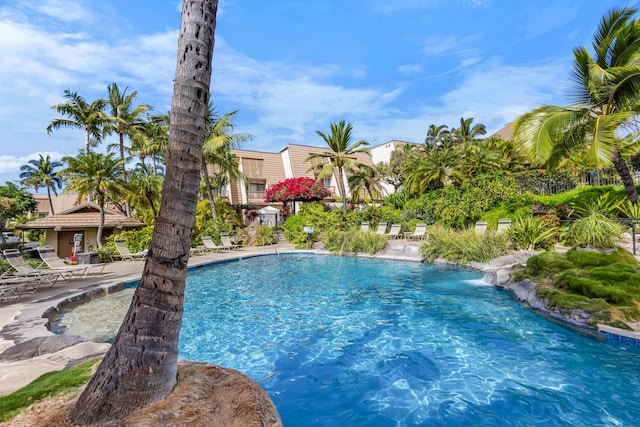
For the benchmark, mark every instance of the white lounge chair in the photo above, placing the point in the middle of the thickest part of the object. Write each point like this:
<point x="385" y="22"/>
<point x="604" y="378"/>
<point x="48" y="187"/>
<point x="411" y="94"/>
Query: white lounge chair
<point x="481" y="226"/>
<point x="504" y="224"/>
<point x="53" y="262"/>
<point x="394" y="231"/>
<point x="382" y="228"/>
<point x="211" y="245"/>
<point x="227" y="243"/>
<point x="364" y="226"/>
<point x="126" y="254"/>
<point x="22" y="269"/>
<point x="418" y="233"/>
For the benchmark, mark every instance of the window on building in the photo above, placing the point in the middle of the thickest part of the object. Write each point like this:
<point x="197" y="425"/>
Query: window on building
<point x="256" y="190"/>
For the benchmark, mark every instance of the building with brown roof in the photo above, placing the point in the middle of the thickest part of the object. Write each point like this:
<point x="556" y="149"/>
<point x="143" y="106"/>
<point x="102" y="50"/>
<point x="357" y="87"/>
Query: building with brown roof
<point x="263" y="169"/>
<point x="83" y="219"/>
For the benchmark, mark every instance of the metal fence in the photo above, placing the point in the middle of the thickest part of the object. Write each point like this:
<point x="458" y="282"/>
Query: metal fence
<point x="540" y="182"/>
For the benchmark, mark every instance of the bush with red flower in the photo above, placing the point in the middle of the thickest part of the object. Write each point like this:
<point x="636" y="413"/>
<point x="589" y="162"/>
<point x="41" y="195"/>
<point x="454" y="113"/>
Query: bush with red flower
<point x="296" y="189"/>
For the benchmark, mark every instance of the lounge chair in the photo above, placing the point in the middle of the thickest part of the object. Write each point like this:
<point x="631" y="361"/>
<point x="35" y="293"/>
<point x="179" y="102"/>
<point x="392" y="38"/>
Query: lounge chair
<point x="418" y="233"/>
<point x="211" y="245"/>
<point x="53" y="262"/>
<point x="504" y="224"/>
<point x="382" y="228"/>
<point x="481" y="226"/>
<point x="227" y="243"/>
<point x="394" y="231"/>
<point x="12" y="288"/>
<point x="126" y="254"/>
<point x="364" y="226"/>
<point x="22" y="269"/>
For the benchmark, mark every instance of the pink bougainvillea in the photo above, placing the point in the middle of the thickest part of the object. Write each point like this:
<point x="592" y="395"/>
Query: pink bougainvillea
<point x="296" y="189"/>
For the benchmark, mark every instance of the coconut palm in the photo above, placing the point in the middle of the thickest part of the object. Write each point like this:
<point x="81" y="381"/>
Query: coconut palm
<point x="341" y="158"/>
<point x="466" y="133"/>
<point x="216" y="149"/>
<point x="144" y="191"/>
<point x="365" y="181"/>
<point x="96" y="175"/>
<point x="80" y="114"/>
<point x="41" y="173"/>
<point x="141" y="366"/>
<point x="123" y="118"/>
<point x="607" y="99"/>
<point x="437" y="137"/>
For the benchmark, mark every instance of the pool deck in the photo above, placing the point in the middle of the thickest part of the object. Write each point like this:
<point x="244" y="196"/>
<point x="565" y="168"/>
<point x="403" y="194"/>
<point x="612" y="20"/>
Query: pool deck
<point x="28" y="349"/>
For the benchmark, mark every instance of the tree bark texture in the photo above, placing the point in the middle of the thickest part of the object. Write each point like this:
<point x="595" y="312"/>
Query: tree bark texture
<point x="140" y="367"/>
<point x="625" y="176"/>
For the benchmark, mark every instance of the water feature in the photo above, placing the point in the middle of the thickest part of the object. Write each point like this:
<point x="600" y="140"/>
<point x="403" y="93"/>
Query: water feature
<point x="342" y="341"/>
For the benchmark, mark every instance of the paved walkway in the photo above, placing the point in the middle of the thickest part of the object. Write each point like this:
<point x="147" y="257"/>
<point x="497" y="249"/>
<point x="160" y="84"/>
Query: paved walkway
<point x="28" y="349"/>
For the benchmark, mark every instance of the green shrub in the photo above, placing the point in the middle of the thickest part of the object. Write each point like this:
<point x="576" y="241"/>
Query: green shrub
<point x="593" y="230"/>
<point x="353" y="241"/>
<point x="464" y="246"/>
<point x="530" y="233"/>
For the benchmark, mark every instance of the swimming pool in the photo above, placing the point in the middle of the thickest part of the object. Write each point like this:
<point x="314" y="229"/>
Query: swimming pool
<point x="344" y="341"/>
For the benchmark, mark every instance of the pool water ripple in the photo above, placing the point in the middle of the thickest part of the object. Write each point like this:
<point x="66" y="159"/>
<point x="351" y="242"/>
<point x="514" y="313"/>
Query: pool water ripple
<point x="339" y="341"/>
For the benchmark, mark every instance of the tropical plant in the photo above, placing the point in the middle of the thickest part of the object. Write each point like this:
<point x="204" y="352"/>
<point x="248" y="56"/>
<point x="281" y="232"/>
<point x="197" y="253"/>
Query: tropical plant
<point x="464" y="246"/>
<point x="144" y="192"/>
<point x="132" y="375"/>
<point x="353" y="241"/>
<point x="123" y="119"/>
<point x="593" y="229"/>
<point x="393" y="173"/>
<point x="14" y="202"/>
<point x="530" y="233"/>
<point x="478" y="158"/>
<point x="607" y="93"/>
<point x="216" y="150"/>
<point x="437" y="137"/>
<point x="341" y="157"/>
<point x="441" y="168"/>
<point x="467" y="133"/>
<point x="80" y="114"/>
<point x="364" y="183"/>
<point x="96" y="175"/>
<point x="41" y="173"/>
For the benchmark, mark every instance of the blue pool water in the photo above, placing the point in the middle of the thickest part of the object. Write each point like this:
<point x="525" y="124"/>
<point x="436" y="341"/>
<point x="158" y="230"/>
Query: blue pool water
<point x="340" y="341"/>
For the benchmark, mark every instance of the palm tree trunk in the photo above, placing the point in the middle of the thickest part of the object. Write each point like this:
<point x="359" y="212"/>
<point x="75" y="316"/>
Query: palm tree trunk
<point x="140" y="367"/>
<point x="205" y="176"/>
<point x="101" y="225"/>
<point x="625" y="176"/>
<point x="50" y="200"/>
<point x="343" y="192"/>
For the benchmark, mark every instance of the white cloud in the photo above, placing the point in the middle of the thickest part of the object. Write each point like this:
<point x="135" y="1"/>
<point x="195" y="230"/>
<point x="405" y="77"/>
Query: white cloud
<point x="12" y="164"/>
<point x="63" y="10"/>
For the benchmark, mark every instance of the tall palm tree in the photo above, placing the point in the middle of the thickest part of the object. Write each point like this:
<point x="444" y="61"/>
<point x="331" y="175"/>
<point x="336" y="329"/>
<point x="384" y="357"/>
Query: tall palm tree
<point x="96" y="175"/>
<point x="123" y="118"/>
<point x="80" y="115"/>
<point x="467" y="133"/>
<point x="141" y="366"/>
<point x="341" y="158"/>
<point x="437" y="137"/>
<point x="607" y="95"/>
<point x="216" y="149"/>
<point x="41" y="173"/>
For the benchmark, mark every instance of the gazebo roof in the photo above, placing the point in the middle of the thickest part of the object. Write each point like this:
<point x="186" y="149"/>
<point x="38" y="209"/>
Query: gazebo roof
<point x="85" y="215"/>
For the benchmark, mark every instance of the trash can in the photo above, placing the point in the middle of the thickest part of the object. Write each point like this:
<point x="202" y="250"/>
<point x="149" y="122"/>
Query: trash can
<point x="88" y="258"/>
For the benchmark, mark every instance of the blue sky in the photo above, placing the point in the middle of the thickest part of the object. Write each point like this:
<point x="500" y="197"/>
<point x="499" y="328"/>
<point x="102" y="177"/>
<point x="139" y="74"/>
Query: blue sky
<point x="291" y="67"/>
